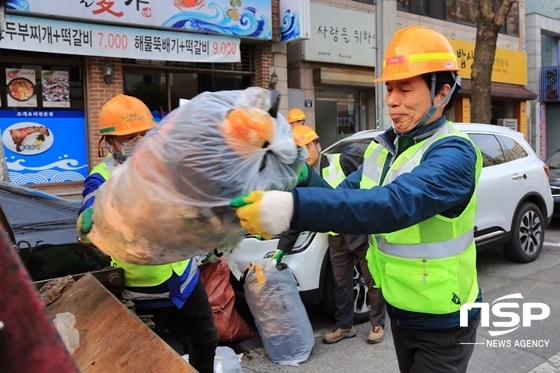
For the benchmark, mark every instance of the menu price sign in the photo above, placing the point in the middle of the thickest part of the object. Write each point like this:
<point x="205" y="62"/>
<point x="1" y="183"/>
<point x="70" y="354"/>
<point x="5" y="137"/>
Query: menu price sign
<point x="21" y="87"/>
<point x="55" y="36"/>
<point x="56" y="88"/>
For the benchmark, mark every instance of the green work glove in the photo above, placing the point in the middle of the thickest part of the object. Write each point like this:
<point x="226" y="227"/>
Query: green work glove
<point x="85" y="223"/>
<point x="303" y="174"/>
<point x="278" y="255"/>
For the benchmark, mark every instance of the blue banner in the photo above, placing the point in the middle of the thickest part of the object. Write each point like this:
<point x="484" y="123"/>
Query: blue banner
<point x="44" y="146"/>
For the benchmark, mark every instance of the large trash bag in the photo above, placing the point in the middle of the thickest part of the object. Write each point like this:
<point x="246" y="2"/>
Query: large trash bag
<point x="170" y="200"/>
<point x="281" y="318"/>
<point x="231" y="326"/>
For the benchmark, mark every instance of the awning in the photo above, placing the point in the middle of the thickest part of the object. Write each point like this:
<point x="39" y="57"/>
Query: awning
<point x="501" y="90"/>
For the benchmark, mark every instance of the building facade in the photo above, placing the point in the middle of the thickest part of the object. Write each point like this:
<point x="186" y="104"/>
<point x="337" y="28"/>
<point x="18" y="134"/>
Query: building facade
<point x="56" y="73"/>
<point x="330" y="76"/>
<point x="543" y="38"/>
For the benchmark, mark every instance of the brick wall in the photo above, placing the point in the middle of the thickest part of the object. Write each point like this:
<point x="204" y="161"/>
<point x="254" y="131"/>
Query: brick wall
<point x="98" y="94"/>
<point x="264" y="58"/>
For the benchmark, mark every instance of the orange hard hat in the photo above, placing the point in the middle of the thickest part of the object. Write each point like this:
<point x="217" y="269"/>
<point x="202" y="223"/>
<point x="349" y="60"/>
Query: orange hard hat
<point x="417" y="50"/>
<point x="295" y="115"/>
<point x="124" y="115"/>
<point x="303" y="135"/>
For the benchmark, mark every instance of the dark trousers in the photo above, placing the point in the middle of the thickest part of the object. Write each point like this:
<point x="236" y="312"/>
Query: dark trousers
<point x="434" y="350"/>
<point x="343" y="260"/>
<point x="193" y="325"/>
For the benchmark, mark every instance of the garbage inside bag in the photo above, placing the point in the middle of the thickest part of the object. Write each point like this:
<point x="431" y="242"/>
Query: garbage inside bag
<point x="281" y="318"/>
<point x="170" y="200"/>
<point x="225" y="361"/>
<point x="64" y="323"/>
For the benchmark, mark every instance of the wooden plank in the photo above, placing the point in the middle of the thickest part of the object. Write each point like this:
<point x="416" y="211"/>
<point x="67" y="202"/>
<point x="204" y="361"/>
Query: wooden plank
<point x="112" y="338"/>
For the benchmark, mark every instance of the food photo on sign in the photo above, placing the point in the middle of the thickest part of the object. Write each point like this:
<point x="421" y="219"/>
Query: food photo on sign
<point x="21" y="88"/>
<point x="44" y="146"/>
<point x="56" y="88"/>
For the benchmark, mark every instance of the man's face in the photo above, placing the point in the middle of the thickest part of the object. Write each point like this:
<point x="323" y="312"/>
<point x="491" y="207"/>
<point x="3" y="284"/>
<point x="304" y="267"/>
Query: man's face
<point x="408" y="100"/>
<point x="313" y="153"/>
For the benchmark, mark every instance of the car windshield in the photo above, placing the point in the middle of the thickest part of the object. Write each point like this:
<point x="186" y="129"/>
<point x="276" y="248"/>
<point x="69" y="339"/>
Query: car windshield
<point x="554" y="160"/>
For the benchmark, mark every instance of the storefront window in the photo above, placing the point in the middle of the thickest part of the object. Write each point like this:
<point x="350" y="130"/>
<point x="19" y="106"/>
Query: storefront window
<point x="150" y="88"/>
<point x="461" y="11"/>
<point x="188" y="85"/>
<point x="43" y="123"/>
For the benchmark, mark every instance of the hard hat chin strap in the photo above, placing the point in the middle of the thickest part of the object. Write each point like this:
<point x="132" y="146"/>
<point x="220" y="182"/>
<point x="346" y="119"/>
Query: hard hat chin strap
<point x="443" y="102"/>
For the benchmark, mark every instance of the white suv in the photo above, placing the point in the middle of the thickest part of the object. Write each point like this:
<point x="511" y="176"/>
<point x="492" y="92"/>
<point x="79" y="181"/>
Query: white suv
<point x="514" y="208"/>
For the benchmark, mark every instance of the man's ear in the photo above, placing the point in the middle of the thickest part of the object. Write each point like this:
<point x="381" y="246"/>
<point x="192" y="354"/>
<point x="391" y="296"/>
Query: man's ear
<point x="443" y="92"/>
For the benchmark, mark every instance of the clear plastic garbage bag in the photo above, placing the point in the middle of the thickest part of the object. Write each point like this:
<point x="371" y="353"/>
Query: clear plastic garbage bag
<point x="170" y="200"/>
<point x="281" y="318"/>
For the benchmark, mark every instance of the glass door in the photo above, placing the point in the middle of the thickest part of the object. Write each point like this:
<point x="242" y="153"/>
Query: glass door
<point x="337" y="114"/>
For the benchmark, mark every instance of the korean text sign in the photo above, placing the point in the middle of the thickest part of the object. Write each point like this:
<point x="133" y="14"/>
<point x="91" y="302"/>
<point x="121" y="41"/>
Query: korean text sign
<point x="509" y="66"/>
<point x="44" y="146"/>
<point x="242" y="18"/>
<point x="49" y="35"/>
<point x="341" y="36"/>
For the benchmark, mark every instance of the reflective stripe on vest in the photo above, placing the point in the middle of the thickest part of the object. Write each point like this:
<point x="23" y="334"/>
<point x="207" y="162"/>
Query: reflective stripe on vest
<point x="429" y="267"/>
<point x="433" y="250"/>
<point x="333" y="175"/>
<point x="139" y="275"/>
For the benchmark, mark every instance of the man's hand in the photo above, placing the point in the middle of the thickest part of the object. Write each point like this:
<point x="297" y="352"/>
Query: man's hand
<point x="278" y="255"/>
<point x="264" y="213"/>
<point x="85" y="223"/>
<point x="303" y="174"/>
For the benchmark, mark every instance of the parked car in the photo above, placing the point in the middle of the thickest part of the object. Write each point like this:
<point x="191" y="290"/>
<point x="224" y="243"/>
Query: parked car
<point x="554" y="179"/>
<point x="44" y="231"/>
<point x="515" y="206"/>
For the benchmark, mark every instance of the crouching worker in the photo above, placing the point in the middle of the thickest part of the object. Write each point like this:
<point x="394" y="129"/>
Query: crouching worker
<point x="122" y="122"/>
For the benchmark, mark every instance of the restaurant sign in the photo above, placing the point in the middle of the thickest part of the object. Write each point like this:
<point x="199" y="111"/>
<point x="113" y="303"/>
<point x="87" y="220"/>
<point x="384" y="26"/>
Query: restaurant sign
<point x="54" y="36"/>
<point x="247" y="18"/>
<point x="509" y="66"/>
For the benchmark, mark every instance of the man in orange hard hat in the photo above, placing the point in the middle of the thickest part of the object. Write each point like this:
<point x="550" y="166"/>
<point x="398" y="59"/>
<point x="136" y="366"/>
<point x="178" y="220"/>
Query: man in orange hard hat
<point x="415" y="196"/>
<point x="123" y="121"/>
<point x="296" y="117"/>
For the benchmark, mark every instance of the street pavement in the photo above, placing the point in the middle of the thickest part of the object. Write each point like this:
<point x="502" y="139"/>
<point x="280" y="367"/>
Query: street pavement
<point x="534" y="349"/>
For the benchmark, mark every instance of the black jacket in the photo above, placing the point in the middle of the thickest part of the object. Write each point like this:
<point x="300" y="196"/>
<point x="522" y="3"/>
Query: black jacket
<point x="349" y="164"/>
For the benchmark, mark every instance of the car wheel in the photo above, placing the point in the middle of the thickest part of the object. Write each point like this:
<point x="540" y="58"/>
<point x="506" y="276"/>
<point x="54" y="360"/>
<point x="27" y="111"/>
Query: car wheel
<point x="362" y="305"/>
<point x="361" y="300"/>
<point x="527" y="234"/>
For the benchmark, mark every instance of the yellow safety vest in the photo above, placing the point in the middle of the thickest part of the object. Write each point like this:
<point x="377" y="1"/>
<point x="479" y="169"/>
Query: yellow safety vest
<point x="429" y="267"/>
<point x="139" y="275"/>
<point x="333" y="174"/>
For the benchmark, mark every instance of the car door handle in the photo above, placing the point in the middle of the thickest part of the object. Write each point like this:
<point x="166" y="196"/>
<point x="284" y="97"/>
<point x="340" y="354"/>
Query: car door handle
<point x="518" y="176"/>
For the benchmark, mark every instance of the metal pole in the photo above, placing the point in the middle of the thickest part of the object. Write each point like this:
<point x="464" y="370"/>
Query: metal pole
<point x="386" y="25"/>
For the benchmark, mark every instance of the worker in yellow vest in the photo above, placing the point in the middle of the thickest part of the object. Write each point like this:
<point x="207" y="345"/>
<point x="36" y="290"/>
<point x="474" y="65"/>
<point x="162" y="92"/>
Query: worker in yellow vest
<point x="123" y="121"/>
<point x="343" y="248"/>
<point x="296" y="117"/>
<point x="415" y="195"/>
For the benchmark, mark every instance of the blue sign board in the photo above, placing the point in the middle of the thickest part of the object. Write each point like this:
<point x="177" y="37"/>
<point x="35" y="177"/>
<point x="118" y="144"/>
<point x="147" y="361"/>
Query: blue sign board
<point x="44" y="146"/>
<point x="241" y="18"/>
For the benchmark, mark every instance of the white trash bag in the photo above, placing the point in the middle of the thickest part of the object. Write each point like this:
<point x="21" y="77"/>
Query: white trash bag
<point x="225" y="361"/>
